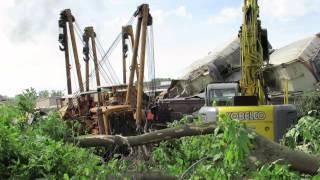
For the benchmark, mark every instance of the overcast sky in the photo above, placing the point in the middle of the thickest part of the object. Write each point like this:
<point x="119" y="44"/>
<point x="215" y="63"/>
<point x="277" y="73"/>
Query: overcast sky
<point x="184" y="31"/>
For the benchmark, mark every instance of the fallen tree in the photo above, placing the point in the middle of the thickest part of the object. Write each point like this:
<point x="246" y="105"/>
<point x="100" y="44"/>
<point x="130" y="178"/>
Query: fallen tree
<point x="263" y="150"/>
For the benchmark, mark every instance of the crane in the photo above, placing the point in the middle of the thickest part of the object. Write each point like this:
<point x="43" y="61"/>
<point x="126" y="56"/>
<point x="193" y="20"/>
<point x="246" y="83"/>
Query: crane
<point x="66" y="22"/>
<point x="66" y="17"/>
<point x="131" y="108"/>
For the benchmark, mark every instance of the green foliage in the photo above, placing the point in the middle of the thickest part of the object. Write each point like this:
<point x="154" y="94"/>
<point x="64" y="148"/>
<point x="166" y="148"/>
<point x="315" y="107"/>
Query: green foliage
<point x="27" y="100"/>
<point x="8" y="146"/>
<point x="223" y="155"/>
<point x="305" y="135"/>
<point x="275" y="171"/>
<point x="43" y="157"/>
<point x="43" y="94"/>
<point x="307" y="102"/>
<point x="38" y="151"/>
<point x="56" y="93"/>
<point x="52" y="93"/>
<point x="10" y="114"/>
<point x="237" y="139"/>
<point x="207" y="156"/>
<point x="52" y="127"/>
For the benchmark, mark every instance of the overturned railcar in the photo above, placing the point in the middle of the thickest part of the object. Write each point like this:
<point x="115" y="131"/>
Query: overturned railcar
<point x="299" y="63"/>
<point x="218" y="66"/>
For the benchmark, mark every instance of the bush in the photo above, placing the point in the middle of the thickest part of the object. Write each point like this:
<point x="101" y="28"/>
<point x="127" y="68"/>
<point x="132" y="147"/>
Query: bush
<point x="38" y="151"/>
<point x="307" y="102"/>
<point x="221" y="155"/>
<point x="27" y="100"/>
<point x="305" y="135"/>
<point x="209" y="156"/>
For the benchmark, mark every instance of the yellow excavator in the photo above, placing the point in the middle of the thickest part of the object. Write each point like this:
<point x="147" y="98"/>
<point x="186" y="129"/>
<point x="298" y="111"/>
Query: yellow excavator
<point x="247" y="100"/>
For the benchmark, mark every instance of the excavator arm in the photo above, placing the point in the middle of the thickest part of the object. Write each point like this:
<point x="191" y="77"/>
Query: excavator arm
<point x="254" y="51"/>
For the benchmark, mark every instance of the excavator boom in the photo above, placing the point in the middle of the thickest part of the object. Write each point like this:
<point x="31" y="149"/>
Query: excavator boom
<point x="252" y="53"/>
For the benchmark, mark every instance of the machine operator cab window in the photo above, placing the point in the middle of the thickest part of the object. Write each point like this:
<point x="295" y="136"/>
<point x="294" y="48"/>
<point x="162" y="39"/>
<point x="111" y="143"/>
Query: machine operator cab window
<point x="221" y="94"/>
<point x="222" y="97"/>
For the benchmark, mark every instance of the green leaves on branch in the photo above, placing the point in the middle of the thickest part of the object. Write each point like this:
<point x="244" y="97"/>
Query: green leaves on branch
<point x="237" y="138"/>
<point x="38" y="151"/>
<point x="225" y="155"/>
<point x="218" y="155"/>
<point x="27" y="100"/>
<point x="307" y="102"/>
<point x="305" y="135"/>
<point x="275" y="171"/>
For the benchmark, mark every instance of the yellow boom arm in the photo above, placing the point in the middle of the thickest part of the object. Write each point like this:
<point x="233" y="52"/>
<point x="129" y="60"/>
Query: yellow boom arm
<point x="251" y="83"/>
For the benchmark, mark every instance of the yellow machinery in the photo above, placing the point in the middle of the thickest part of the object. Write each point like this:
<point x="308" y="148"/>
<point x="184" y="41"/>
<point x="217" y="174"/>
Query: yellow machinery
<point x="116" y="109"/>
<point x="253" y="42"/>
<point x="247" y="100"/>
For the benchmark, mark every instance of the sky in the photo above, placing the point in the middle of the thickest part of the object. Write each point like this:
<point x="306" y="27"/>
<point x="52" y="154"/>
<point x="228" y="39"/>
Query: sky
<point x="184" y="31"/>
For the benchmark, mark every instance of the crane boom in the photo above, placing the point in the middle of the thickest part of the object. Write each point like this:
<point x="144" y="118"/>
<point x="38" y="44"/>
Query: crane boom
<point x="127" y="32"/>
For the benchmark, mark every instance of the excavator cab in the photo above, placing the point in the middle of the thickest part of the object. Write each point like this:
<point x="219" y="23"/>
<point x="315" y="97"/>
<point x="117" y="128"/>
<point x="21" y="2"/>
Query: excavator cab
<point x="221" y="94"/>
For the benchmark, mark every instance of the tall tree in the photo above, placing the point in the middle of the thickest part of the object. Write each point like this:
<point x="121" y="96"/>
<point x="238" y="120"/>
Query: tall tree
<point x="27" y="100"/>
<point x="56" y="93"/>
<point x="43" y="94"/>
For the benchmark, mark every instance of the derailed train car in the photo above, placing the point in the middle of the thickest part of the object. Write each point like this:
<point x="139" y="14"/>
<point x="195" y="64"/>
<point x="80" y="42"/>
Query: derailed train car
<point x="219" y="66"/>
<point x="298" y="62"/>
<point x="185" y="94"/>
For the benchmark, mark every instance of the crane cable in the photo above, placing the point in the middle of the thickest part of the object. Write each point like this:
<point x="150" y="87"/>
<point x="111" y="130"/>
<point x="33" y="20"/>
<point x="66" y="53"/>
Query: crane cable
<point x="111" y="71"/>
<point x="104" y="57"/>
<point x="114" y="44"/>
<point x="78" y="32"/>
<point x="110" y="68"/>
<point x="110" y="77"/>
<point x="151" y="62"/>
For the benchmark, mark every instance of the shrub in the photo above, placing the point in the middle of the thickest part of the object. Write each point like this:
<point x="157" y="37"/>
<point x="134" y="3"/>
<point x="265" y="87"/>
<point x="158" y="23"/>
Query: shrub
<point x="307" y="102"/>
<point x="26" y="101"/>
<point x="38" y="151"/>
<point x="305" y="135"/>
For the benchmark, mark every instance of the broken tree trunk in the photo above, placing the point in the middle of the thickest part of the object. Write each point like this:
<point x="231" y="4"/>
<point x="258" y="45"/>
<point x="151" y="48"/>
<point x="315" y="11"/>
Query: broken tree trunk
<point x="264" y="150"/>
<point x="152" y="137"/>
